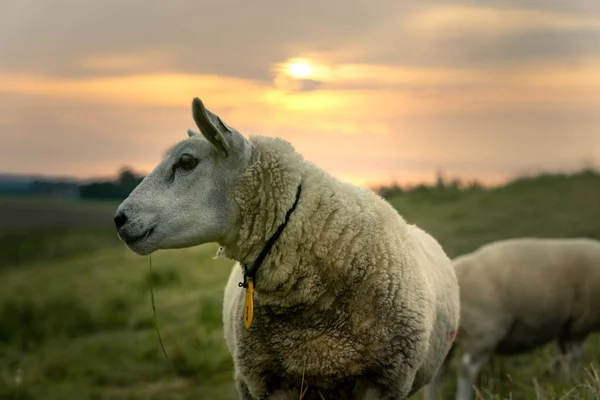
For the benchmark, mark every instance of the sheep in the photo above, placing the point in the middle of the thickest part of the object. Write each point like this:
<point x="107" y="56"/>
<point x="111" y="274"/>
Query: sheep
<point x="331" y="289"/>
<point x="519" y="294"/>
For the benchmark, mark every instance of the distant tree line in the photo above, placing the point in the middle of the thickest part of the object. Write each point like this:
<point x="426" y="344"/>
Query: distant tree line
<point x="118" y="189"/>
<point x="104" y="189"/>
<point x="443" y="188"/>
<point x="50" y="187"/>
<point x="448" y="190"/>
<point x="127" y="180"/>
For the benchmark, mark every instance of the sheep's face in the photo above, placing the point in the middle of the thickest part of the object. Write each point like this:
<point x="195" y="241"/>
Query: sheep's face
<point x="184" y="201"/>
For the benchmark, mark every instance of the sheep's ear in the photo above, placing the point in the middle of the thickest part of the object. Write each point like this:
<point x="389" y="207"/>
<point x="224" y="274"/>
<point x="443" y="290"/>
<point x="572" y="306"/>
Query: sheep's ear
<point x="191" y="133"/>
<point x="211" y="127"/>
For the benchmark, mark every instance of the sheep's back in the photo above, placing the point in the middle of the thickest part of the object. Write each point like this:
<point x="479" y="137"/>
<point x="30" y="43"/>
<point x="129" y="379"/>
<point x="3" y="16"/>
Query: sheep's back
<point x="529" y="290"/>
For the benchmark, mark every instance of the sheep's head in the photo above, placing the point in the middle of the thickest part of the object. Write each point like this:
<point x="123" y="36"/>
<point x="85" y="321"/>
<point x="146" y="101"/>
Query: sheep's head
<point x="183" y="202"/>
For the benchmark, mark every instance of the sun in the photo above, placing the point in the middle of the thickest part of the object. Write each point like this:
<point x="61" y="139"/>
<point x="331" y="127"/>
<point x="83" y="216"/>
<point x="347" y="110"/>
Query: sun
<point x="299" y="69"/>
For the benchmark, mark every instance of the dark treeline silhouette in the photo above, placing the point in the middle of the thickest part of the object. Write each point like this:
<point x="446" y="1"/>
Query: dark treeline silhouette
<point x="449" y="190"/>
<point x="56" y="188"/>
<point x="442" y="188"/>
<point x="117" y="189"/>
<point x="106" y="189"/>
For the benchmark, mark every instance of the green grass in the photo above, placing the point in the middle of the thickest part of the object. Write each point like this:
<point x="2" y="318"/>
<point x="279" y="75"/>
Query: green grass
<point x="76" y="320"/>
<point x="32" y="213"/>
<point x="82" y="328"/>
<point x="33" y="228"/>
<point x="547" y="206"/>
<point x="544" y="206"/>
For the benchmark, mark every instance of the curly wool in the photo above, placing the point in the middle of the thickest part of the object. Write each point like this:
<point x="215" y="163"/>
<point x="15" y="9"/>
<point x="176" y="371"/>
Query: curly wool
<point x="350" y="296"/>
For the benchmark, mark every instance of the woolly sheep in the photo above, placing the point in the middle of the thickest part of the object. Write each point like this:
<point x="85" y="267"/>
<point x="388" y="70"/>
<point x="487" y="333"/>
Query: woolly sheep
<point x="519" y="294"/>
<point x="349" y="300"/>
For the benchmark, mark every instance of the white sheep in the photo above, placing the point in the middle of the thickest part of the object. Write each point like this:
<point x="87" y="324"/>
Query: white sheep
<point x="519" y="294"/>
<point x="350" y="301"/>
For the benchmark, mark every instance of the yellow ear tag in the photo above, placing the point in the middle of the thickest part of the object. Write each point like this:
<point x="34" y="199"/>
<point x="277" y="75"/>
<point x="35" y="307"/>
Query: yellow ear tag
<point x="249" y="304"/>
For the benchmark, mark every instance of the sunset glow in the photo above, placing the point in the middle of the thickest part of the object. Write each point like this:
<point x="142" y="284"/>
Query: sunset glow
<point x="300" y="69"/>
<point x="472" y="90"/>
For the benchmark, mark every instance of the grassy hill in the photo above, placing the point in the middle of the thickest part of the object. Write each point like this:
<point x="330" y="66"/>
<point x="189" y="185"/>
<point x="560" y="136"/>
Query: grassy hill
<point x="545" y="206"/>
<point x="76" y="320"/>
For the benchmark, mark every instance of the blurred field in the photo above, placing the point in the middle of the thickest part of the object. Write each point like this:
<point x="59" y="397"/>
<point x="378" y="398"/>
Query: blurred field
<point x="76" y="320"/>
<point x="24" y="214"/>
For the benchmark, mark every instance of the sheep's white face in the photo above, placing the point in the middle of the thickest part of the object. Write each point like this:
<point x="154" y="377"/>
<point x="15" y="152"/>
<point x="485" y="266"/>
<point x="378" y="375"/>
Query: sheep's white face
<point x="183" y="202"/>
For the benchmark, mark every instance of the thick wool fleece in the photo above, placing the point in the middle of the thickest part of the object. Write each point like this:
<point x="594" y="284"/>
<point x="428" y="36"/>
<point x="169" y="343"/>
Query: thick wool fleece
<point x="519" y="294"/>
<point x="351" y="297"/>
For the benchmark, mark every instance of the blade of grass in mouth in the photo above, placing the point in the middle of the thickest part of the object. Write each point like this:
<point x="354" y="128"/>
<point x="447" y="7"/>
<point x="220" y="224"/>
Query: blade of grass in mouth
<point x="154" y="312"/>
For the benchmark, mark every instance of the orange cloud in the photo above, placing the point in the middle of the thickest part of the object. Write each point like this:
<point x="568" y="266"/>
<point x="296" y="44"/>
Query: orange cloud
<point x="354" y="98"/>
<point x="441" y="19"/>
<point x="119" y="62"/>
<point x="150" y="89"/>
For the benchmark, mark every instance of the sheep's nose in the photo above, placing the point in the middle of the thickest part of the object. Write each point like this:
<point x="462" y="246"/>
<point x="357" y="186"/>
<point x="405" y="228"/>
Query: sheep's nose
<point x="120" y="219"/>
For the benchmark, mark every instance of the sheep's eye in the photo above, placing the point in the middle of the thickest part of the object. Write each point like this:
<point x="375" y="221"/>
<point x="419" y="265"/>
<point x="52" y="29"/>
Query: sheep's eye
<point x="186" y="162"/>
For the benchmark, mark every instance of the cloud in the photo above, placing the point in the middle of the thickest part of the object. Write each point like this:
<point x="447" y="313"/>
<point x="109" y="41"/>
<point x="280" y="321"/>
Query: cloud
<point x="397" y="88"/>
<point x="122" y="63"/>
<point x="72" y="138"/>
<point x="345" y="97"/>
<point x="458" y="20"/>
<point x="290" y="84"/>
<point x="146" y="89"/>
<point x="68" y="38"/>
<point x="482" y="33"/>
<point x="231" y="37"/>
<point x="486" y="35"/>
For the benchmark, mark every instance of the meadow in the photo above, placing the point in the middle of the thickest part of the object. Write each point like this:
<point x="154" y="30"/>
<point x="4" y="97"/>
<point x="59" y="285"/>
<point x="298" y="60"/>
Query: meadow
<point x="76" y="320"/>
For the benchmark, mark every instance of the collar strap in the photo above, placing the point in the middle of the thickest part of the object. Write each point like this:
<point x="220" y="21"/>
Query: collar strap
<point x="250" y="273"/>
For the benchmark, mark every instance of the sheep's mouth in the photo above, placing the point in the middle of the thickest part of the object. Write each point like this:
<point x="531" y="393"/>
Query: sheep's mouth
<point x="140" y="238"/>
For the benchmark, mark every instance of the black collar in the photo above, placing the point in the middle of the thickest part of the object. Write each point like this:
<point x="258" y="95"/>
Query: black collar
<point x="251" y="273"/>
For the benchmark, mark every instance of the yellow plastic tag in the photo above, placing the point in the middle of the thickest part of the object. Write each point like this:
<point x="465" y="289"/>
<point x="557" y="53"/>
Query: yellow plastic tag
<point x="249" y="304"/>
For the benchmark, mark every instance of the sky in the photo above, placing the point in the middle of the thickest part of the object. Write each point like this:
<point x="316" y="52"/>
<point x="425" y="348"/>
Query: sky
<point x="371" y="91"/>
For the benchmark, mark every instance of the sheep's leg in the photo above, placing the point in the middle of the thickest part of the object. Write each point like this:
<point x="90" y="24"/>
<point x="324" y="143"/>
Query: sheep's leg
<point x="242" y="389"/>
<point x="431" y="390"/>
<point x="365" y="389"/>
<point x="556" y="363"/>
<point x="470" y="365"/>
<point x="284" y="395"/>
<point x="572" y="351"/>
<point x="267" y="390"/>
<point x="576" y="354"/>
